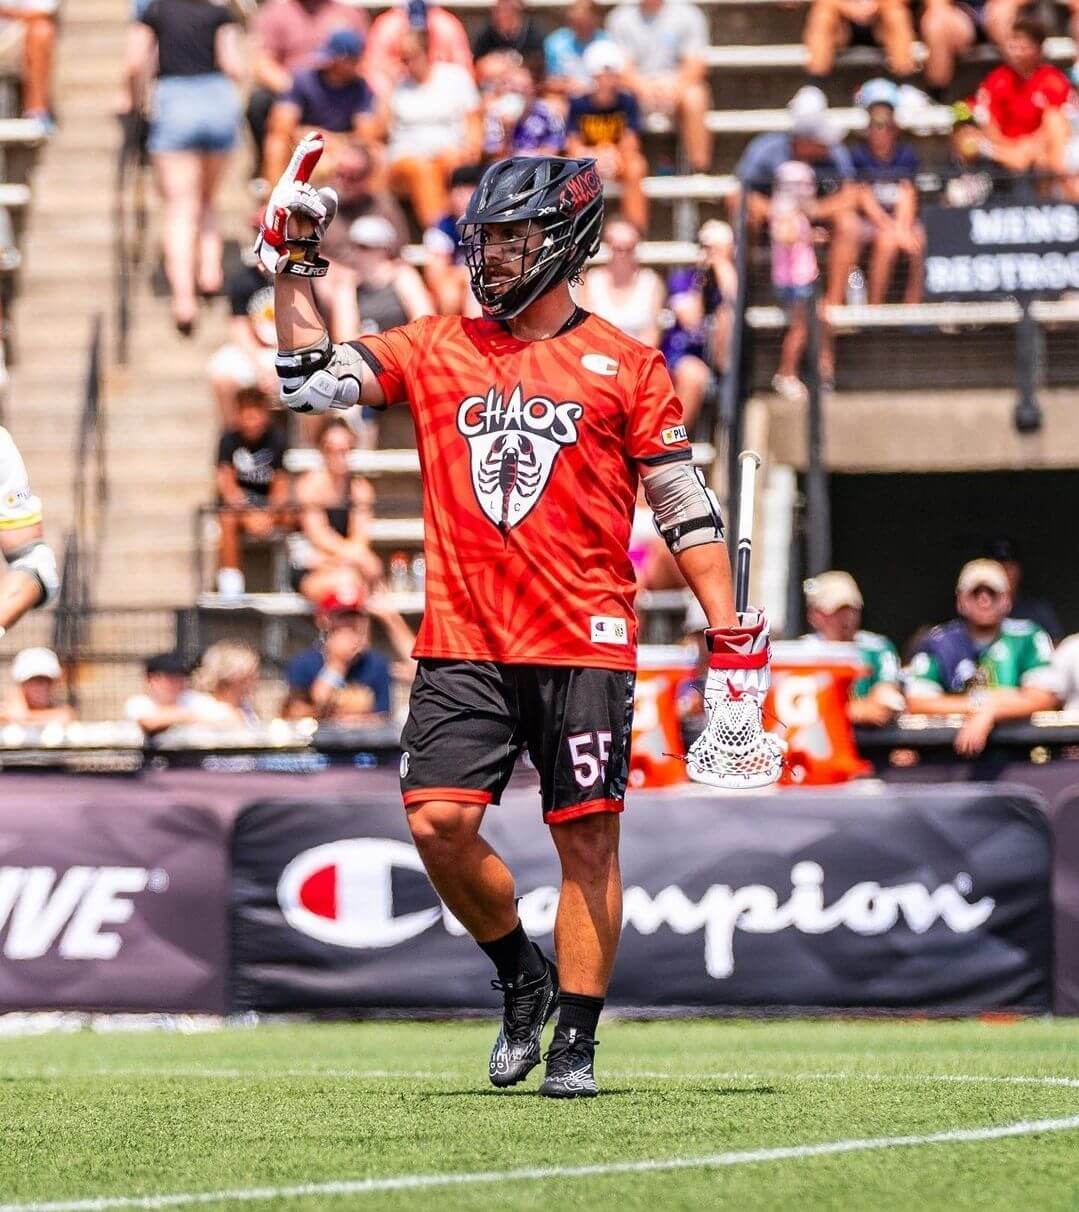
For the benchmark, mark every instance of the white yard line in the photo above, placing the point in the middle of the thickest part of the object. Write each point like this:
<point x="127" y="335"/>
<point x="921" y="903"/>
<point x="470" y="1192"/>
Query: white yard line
<point x="255" y="1074"/>
<point x="417" y="1182"/>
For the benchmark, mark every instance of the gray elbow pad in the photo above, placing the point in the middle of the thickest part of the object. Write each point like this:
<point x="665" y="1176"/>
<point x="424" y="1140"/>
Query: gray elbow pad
<point x="686" y="512"/>
<point x="320" y="377"/>
<point x="36" y="559"/>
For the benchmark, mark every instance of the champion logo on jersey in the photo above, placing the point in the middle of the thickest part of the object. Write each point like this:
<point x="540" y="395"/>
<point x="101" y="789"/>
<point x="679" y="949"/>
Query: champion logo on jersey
<point x="599" y="364"/>
<point x="513" y="445"/>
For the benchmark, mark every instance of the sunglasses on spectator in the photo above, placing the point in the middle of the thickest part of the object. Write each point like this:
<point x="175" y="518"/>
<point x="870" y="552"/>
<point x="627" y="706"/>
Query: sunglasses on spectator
<point x="882" y="124"/>
<point x="978" y="590"/>
<point x="623" y="247"/>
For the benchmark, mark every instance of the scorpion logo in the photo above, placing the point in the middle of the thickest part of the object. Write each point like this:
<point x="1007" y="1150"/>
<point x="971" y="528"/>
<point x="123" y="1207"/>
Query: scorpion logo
<point x="510" y="466"/>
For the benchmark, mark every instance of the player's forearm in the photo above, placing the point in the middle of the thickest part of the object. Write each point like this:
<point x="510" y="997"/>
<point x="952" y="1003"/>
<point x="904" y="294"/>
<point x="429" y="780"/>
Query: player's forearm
<point x="296" y="315"/>
<point x="707" y="571"/>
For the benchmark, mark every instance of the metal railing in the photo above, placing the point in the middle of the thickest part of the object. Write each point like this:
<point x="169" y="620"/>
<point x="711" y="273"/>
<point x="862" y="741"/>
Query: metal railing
<point x="129" y="225"/>
<point x="90" y="491"/>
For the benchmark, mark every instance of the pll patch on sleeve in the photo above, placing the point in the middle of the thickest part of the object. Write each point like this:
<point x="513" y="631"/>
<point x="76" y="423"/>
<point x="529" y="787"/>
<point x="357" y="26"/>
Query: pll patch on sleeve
<point x="673" y="435"/>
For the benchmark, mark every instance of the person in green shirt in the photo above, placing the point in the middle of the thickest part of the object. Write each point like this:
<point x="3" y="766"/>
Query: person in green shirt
<point x="983" y="665"/>
<point x="834" y="612"/>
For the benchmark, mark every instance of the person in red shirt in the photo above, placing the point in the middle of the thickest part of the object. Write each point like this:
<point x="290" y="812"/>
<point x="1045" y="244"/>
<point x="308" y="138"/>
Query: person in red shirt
<point x="1019" y="105"/>
<point x="447" y="41"/>
<point x="534" y="425"/>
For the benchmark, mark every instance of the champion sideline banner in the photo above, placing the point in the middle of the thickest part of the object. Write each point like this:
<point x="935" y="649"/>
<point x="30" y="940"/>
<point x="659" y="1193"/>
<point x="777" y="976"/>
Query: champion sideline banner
<point x="928" y="898"/>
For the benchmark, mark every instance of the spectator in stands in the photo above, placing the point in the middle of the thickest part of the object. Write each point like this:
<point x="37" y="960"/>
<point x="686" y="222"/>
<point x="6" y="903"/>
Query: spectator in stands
<point x="287" y="37"/>
<point x="624" y="292"/>
<point x="885" y="169"/>
<point x="701" y="300"/>
<point x="1020" y="105"/>
<point x="228" y="675"/>
<point x="834" y="612"/>
<point x="564" y="50"/>
<point x="331" y="97"/>
<point x="605" y="123"/>
<point x="193" y="47"/>
<point x="794" y="273"/>
<point x="33" y="698"/>
<point x="508" y="29"/>
<point x="832" y="25"/>
<point x="445" y="271"/>
<point x="983" y="665"/>
<point x="950" y="28"/>
<point x="246" y="360"/>
<point x="358" y="195"/>
<point x="517" y="121"/>
<point x="1034" y="609"/>
<point x="332" y="554"/>
<point x="664" y="41"/>
<point x="814" y="139"/>
<point x="434" y="124"/>
<point x="28" y="32"/>
<point x="378" y="290"/>
<point x="252" y="486"/>
<point x="168" y="700"/>
<point x="1065" y="671"/>
<point x="970" y="171"/>
<point x="446" y="41"/>
<point x="341" y="678"/>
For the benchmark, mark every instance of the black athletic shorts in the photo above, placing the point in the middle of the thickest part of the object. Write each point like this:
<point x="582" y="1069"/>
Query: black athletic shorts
<point x="468" y="722"/>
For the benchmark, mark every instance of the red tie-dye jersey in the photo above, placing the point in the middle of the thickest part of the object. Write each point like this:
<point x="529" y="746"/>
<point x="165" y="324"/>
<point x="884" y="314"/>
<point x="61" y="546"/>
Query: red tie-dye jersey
<point x="529" y="454"/>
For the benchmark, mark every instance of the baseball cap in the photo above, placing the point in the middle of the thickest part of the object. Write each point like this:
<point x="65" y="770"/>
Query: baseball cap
<point x="352" y="600"/>
<point x="715" y="233"/>
<point x="815" y="125"/>
<point x="373" y="231"/>
<point x="987" y="573"/>
<point x="342" y="44"/>
<point x="831" y="591"/>
<point x="173" y="663"/>
<point x="35" y="663"/>
<point x="604" y="56"/>
<point x="878" y="92"/>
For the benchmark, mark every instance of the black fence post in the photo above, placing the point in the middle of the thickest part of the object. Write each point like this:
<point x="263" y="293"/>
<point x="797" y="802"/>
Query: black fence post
<point x="1028" y="413"/>
<point x="818" y="507"/>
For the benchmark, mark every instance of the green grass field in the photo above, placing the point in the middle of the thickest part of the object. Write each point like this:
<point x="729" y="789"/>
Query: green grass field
<point x="727" y="1115"/>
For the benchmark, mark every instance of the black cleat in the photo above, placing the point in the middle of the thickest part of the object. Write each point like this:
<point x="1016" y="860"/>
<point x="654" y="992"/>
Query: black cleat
<point x="528" y="1006"/>
<point x="570" y="1061"/>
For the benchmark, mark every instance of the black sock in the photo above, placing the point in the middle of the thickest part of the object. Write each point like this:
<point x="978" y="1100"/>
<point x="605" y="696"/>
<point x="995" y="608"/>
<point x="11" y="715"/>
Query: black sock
<point x="515" y="956"/>
<point x="580" y="1011"/>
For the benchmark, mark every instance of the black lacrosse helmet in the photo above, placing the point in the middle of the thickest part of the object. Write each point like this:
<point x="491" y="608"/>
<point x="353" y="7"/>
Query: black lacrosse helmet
<point x="563" y="198"/>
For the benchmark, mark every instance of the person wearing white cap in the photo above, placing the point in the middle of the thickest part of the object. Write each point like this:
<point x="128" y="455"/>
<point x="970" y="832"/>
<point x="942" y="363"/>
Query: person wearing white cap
<point x="32" y="577"/>
<point x="886" y="170"/>
<point x="605" y="124"/>
<point x="982" y="665"/>
<point x="377" y="290"/>
<point x="832" y="25"/>
<point x="33" y="696"/>
<point x="834" y="612"/>
<point x="813" y="137"/>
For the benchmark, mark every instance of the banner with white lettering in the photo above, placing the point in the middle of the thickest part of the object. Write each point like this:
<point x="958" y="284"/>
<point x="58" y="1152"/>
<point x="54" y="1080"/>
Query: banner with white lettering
<point x="111" y="898"/>
<point x="987" y="252"/>
<point x="926" y="898"/>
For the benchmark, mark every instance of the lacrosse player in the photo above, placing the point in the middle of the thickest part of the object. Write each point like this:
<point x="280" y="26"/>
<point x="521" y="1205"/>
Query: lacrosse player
<point x="533" y="423"/>
<point x="32" y="578"/>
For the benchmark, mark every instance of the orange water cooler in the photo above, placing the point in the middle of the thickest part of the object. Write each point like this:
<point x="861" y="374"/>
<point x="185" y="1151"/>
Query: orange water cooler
<point x="807" y="707"/>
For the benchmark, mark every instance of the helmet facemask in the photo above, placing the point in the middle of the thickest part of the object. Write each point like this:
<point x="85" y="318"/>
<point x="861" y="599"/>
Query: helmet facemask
<point x="504" y="280"/>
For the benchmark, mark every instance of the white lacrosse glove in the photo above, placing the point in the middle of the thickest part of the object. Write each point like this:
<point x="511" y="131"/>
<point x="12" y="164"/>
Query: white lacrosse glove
<point x="734" y="751"/>
<point x="292" y="195"/>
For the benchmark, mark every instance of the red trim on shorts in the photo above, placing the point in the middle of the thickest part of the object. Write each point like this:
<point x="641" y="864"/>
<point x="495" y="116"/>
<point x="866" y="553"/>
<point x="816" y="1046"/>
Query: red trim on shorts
<point x="454" y="795"/>
<point x="560" y="815"/>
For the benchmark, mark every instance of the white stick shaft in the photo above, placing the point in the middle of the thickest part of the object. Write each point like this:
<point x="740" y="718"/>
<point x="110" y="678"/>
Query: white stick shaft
<point x="748" y="462"/>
